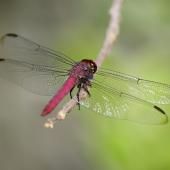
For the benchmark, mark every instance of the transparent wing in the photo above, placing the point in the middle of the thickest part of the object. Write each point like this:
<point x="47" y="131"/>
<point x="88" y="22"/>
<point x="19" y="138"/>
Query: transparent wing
<point x="151" y="91"/>
<point x="34" y="67"/>
<point x="115" y="104"/>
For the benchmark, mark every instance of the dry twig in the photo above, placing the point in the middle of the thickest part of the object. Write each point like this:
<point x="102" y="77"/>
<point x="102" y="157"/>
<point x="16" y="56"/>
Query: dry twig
<point x="111" y="35"/>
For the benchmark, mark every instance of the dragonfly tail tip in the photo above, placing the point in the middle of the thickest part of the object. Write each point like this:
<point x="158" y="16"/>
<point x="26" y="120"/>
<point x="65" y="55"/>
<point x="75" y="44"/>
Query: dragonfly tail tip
<point x="44" y="112"/>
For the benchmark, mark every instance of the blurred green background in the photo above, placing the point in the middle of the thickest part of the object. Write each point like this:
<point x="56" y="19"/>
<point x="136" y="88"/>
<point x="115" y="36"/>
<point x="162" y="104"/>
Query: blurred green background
<point x="85" y="140"/>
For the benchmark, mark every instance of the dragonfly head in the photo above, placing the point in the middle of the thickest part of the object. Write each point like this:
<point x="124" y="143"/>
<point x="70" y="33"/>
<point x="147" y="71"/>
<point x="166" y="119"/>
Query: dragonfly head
<point x="91" y="65"/>
<point x="84" y="69"/>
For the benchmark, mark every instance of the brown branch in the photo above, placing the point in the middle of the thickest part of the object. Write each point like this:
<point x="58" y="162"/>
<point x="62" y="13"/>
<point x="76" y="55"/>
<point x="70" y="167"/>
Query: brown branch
<point x="111" y="35"/>
<point x="111" y="32"/>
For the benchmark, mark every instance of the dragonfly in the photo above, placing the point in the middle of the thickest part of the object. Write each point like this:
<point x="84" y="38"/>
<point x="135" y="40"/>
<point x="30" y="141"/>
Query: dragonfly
<point x="43" y="71"/>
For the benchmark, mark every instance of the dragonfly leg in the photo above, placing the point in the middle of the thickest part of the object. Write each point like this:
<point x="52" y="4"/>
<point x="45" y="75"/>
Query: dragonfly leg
<point x="78" y="94"/>
<point x="83" y="84"/>
<point x="85" y="87"/>
<point x="86" y="90"/>
<point x="71" y="92"/>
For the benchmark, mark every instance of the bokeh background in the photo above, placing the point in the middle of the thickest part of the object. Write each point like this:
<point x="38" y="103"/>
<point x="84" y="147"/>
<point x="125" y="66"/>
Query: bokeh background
<point x="85" y="140"/>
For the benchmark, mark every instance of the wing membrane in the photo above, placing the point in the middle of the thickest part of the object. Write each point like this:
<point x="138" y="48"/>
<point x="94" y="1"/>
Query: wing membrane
<point x="118" y="105"/>
<point x="151" y="91"/>
<point x="34" y="67"/>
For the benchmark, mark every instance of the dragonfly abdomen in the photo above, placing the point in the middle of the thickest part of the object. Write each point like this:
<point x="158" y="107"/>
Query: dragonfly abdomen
<point x="61" y="93"/>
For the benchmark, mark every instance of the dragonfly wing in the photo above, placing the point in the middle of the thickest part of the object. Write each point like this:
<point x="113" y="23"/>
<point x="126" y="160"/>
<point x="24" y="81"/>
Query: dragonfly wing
<point x="36" y="68"/>
<point x="151" y="91"/>
<point x="19" y="48"/>
<point x="115" y="104"/>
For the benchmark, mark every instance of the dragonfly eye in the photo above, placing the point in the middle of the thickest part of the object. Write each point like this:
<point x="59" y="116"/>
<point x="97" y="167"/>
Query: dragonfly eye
<point x="93" y="67"/>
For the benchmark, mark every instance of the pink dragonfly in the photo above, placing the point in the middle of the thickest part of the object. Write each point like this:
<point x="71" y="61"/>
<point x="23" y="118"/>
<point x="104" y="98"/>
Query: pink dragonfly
<point x="113" y="94"/>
